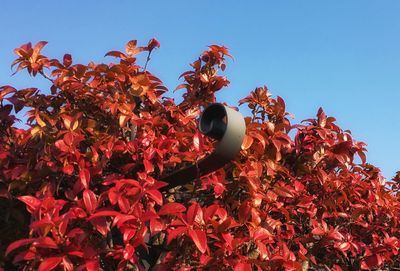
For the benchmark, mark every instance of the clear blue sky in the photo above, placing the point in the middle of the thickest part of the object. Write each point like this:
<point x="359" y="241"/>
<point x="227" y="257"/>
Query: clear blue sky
<point x="341" y="55"/>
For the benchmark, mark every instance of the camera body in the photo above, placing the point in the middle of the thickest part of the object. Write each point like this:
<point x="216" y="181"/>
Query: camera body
<point x="223" y="124"/>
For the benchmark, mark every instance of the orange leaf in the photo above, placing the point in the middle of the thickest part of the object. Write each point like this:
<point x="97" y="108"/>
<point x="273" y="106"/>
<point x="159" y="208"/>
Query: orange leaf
<point x="247" y="141"/>
<point x="131" y="48"/>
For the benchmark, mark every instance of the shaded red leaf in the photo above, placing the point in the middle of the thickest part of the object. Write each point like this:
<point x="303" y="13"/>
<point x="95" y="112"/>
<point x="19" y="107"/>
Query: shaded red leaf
<point x="32" y="203"/>
<point x="242" y="267"/>
<point x="84" y="176"/>
<point x="68" y="169"/>
<point x="50" y="263"/>
<point x="171" y="208"/>
<point x="199" y="238"/>
<point x="155" y="195"/>
<point x="90" y="200"/>
<point x="19" y="243"/>
<point x="104" y="213"/>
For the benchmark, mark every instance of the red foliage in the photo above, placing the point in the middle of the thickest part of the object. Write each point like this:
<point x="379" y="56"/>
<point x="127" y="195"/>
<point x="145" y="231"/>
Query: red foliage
<point x="88" y="167"/>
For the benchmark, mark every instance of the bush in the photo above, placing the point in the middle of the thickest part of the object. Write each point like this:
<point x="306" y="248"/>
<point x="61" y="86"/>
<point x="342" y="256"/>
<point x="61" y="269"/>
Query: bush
<point x="88" y="160"/>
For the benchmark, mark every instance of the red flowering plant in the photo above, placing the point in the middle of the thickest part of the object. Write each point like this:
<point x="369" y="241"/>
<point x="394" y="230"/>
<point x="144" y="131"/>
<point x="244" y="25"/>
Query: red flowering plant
<point x="81" y="181"/>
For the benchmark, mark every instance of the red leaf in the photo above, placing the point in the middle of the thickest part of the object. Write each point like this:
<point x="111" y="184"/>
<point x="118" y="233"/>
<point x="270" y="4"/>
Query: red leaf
<point x="68" y="169"/>
<point x="44" y="225"/>
<point x="69" y="139"/>
<point x="90" y="200"/>
<point x="155" y="195"/>
<point x="39" y="46"/>
<point x="260" y="138"/>
<point x="342" y="246"/>
<point x="198" y="141"/>
<point x="242" y="267"/>
<point x="26" y="255"/>
<point x="181" y="86"/>
<point x="45" y="242"/>
<point x="131" y="48"/>
<point x="67" y="60"/>
<point x="261" y="234"/>
<point x="124" y="203"/>
<point x="4" y="90"/>
<point x="244" y="212"/>
<point x="50" y="263"/>
<point x="210" y="211"/>
<point x="17" y="244"/>
<point x="156" y="226"/>
<point x="113" y="195"/>
<point x="32" y="203"/>
<point x="195" y="214"/>
<point x="104" y="213"/>
<point x="298" y="186"/>
<point x="84" y="176"/>
<point x="174" y="233"/>
<point x="67" y="121"/>
<point x="371" y="262"/>
<point x="148" y="166"/>
<point x="60" y="144"/>
<point x="153" y="43"/>
<point x="283" y="191"/>
<point x="92" y="265"/>
<point x="148" y="215"/>
<point x="200" y="239"/>
<point x="171" y="209"/>
<point x="334" y="234"/>
<point x="115" y="54"/>
<point x="100" y="223"/>
<point x="68" y="265"/>
<point x="318" y="231"/>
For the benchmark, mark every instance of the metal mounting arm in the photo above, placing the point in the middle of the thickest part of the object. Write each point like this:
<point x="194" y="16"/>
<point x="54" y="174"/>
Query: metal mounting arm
<point x="223" y="124"/>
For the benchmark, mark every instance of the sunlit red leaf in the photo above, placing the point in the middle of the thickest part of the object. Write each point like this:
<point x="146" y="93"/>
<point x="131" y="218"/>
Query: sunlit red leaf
<point x="198" y="142"/>
<point x="131" y="48"/>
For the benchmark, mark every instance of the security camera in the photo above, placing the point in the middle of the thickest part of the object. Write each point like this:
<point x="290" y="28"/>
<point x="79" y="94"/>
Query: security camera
<point x="223" y="124"/>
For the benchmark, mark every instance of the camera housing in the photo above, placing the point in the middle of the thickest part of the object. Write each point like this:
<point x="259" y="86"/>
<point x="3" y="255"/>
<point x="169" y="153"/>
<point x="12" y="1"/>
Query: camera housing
<point x="223" y="124"/>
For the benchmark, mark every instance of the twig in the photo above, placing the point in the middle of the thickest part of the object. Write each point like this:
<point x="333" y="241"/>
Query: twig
<point x="147" y="61"/>
<point x="46" y="76"/>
